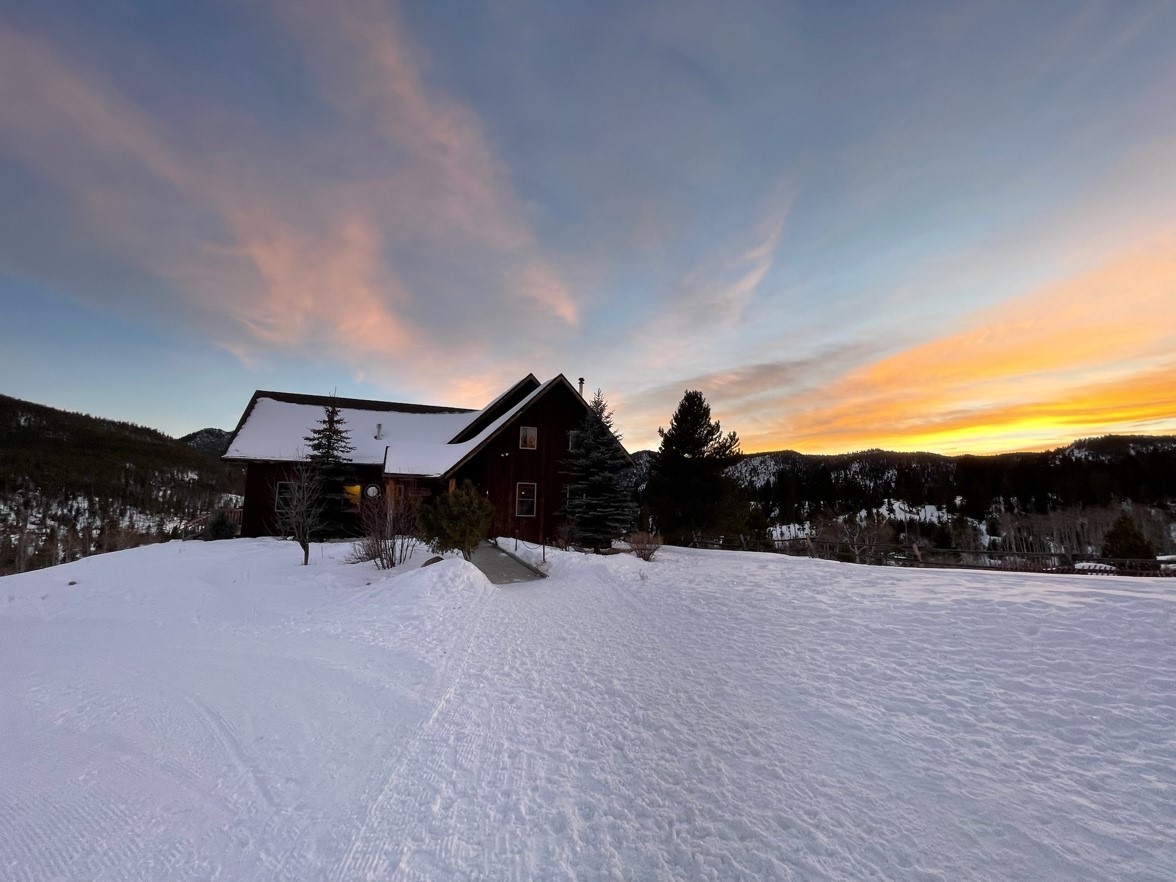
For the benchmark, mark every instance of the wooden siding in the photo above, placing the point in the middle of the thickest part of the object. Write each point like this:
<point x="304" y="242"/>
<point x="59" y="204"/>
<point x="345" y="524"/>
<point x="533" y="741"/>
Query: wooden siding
<point x="502" y="465"/>
<point x="258" y="515"/>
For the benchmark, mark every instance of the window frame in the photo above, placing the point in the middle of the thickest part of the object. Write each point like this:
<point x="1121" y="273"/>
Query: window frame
<point x="534" y="437"/>
<point x="519" y="500"/>
<point x="279" y="508"/>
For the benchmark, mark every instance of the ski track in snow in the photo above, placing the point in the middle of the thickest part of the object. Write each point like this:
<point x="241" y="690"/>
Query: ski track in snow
<point x="214" y="711"/>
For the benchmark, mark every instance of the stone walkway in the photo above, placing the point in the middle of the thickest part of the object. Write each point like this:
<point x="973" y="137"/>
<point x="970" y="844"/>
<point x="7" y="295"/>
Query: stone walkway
<point x="501" y="567"/>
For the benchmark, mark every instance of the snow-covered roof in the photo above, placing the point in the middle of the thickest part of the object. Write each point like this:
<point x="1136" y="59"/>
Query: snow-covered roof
<point x="436" y="459"/>
<point x="408" y="439"/>
<point x="423" y="460"/>
<point x="276" y="424"/>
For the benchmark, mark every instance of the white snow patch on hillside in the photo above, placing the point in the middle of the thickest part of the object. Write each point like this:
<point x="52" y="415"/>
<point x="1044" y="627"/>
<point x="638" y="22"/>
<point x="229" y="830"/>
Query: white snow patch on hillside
<point x="213" y="710"/>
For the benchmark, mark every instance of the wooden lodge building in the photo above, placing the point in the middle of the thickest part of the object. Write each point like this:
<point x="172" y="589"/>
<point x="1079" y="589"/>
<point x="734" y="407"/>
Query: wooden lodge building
<point x="513" y="450"/>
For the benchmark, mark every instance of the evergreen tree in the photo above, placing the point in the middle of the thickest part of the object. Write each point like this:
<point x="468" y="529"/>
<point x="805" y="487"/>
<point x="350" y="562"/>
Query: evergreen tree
<point x="329" y="452"/>
<point x="329" y="443"/>
<point x="600" y="502"/>
<point x="689" y="492"/>
<point x="457" y="521"/>
<point x="1125" y="540"/>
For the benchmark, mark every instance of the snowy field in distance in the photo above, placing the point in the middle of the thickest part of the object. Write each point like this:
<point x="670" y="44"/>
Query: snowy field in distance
<point x="214" y="711"/>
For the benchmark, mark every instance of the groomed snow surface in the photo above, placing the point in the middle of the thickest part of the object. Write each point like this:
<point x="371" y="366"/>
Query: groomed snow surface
<point x="215" y="711"/>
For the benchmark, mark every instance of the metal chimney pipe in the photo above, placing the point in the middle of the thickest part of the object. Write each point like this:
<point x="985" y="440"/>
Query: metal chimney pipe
<point x="581" y="387"/>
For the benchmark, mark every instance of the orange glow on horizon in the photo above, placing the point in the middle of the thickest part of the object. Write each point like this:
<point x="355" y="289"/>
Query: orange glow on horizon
<point x="1092" y="355"/>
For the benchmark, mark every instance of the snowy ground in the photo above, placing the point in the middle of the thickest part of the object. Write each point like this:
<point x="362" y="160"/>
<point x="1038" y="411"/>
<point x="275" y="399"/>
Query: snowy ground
<point x="214" y="711"/>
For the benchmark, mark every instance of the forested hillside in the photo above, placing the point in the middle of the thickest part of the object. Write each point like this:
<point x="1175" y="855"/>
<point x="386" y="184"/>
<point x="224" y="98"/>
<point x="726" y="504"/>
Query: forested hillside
<point x="1064" y="498"/>
<point x="1067" y="496"/>
<point x="1092" y="472"/>
<point x="72" y="485"/>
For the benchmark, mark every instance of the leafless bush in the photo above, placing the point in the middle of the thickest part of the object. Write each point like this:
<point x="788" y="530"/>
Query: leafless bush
<point x="390" y="532"/>
<point x="645" y="545"/>
<point x="563" y="536"/>
<point x="301" y="506"/>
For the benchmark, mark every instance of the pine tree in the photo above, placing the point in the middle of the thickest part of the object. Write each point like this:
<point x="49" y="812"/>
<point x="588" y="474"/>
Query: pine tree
<point x="329" y="452"/>
<point x="600" y="502"/>
<point x="329" y="444"/>
<point x="689" y="492"/>
<point x="457" y="521"/>
<point x="1125" y="540"/>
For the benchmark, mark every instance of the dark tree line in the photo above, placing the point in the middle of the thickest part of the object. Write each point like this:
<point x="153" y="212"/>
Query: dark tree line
<point x="1092" y="474"/>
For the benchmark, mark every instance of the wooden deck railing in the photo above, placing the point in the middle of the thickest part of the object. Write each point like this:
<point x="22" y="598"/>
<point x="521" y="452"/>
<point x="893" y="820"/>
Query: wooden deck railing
<point x="195" y="527"/>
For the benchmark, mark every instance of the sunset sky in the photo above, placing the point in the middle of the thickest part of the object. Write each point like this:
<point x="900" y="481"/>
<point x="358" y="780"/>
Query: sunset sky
<point x="916" y="226"/>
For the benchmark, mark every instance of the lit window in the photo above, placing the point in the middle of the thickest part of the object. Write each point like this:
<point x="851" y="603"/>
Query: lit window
<point x="525" y="500"/>
<point x="528" y="438"/>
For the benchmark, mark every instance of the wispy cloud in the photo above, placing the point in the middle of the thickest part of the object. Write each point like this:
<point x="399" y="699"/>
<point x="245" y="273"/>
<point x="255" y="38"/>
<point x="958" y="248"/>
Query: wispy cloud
<point x="448" y="180"/>
<point x="722" y="286"/>
<point x="275" y="258"/>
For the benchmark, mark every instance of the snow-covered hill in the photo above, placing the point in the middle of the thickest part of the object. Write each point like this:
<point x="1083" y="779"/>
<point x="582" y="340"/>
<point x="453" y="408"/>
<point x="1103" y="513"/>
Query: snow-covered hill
<point x="213" y="710"/>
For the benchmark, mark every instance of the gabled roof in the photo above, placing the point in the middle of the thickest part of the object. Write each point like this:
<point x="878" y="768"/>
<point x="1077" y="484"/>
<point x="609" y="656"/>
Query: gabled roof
<point x="496" y="408"/>
<point x="415" y="440"/>
<point x="439" y="460"/>
<point x="443" y="460"/>
<point x="275" y="424"/>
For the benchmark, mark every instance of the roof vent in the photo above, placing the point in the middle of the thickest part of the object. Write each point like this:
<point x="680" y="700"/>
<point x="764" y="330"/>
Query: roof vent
<point x="379" y="431"/>
<point x="581" y="387"/>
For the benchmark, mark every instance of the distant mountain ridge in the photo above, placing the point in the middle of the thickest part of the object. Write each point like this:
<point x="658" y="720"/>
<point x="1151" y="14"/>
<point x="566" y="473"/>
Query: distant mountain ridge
<point x="1091" y="470"/>
<point x="72" y="484"/>
<point x="212" y="441"/>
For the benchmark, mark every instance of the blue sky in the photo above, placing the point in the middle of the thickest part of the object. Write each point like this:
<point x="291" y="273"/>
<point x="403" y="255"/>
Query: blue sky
<point x="907" y="225"/>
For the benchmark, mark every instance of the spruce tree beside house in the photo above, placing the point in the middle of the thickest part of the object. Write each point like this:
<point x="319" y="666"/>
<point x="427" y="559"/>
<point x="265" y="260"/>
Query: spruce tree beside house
<point x="600" y="505"/>
<point x="328" y="453"/>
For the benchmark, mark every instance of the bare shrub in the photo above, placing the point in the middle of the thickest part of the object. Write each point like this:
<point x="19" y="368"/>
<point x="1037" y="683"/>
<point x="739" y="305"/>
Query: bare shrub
<point x="404" y="522"/>
<point x="645" y="545"/>
<point x="389" y="532"/>
<point x="563" y="537"/>
<point x="301" y="508"/>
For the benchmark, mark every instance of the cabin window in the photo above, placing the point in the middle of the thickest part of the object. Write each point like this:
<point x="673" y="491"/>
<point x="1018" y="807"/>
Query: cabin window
<point x="525" y="500"/>
<point x="283" y="495"/>
<point x="528" y="438"/>
<point x="572" y="440"/>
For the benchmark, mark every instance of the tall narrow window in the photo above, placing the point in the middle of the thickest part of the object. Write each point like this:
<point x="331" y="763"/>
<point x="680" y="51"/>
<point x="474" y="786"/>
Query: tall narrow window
<point x="525" y="500"/>
<point x="528" y="438"/>
<point x="283" y="493"/>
